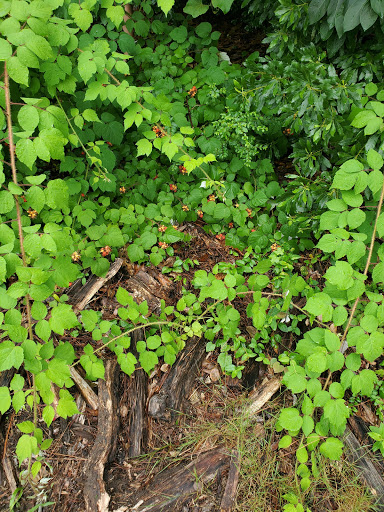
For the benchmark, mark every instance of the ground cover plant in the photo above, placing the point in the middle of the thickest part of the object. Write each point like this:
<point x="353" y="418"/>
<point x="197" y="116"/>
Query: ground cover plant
<point x="112" y="139"/>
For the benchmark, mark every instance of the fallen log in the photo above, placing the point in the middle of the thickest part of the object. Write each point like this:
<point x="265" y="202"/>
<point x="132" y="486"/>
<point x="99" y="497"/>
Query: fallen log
<point x="95" y="495"/>
<point x="367" y="471"/>
<point x="171" y="488"/>
<point x="165" y="404"/>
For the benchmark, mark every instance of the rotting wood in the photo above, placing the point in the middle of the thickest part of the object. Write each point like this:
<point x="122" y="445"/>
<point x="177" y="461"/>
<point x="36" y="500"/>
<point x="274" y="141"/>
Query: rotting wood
<point x="367" y="472"/>
<point x="79" y="298"/>
<point x="171" y="488"/>
<point x="9" y="470"/>
<point x="178" y="384"/>
<point x="95" y="495"/>
<point x="138" y="420"/>
<point x="261" y="395"/>
<point x="85" y="389"/>
<point x="143" y="286"/>
<point x="229" y="496"/>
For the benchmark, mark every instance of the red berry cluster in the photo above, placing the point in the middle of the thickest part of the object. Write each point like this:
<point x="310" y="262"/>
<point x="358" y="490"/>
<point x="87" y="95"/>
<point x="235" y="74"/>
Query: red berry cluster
<point x="192" y="92"/>
<point x="158" y="131"/>
<point x="182" y="169"/>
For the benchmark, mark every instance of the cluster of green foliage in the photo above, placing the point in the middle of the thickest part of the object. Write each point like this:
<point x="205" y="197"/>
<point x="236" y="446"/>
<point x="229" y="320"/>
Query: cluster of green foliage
<point x="119" y="137"/>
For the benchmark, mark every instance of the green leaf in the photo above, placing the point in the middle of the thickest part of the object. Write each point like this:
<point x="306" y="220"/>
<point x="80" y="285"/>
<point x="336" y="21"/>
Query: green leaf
<point x="371" y="89"/>
<point x="340" y="275"/>
<point x="353" y="361"/>
<point x="320" y="304"/>
<point x="26" y="152"/>
<point x="57" y="194"/>
<point x="86" y="66"/>
<point x="285" y="441"/>
<point x="224" y="5"/>
<point x="62" y="317"/>
<point x="83" y="18"/>
<point x="356" y="251"/>
<point x="39" y="46"/>
<point x="316" y="10"/>
<point x="302" y="454"/>
<point x="179" y="34"/>
<point x="165" y="5"/>
<point x="148" y="360"/>
<point x="351" y="166"/>
<point x="36" y="198"/>
<point x="332" y="341"/>
<point x="58" y="372"/>
<point x="5" y="399"/>
<point x="67" y="405"/>
<point x="355" y="218"/>
<point x="308" y="425"/>
<point x="336" y="412"/>
<point x="5" y="49"/>
<point x="317" y="362"/>
<point x="195" y="8"/>
<point x="332" y="448"/>
<point x="374" y="159"/>
<point x="135" y="252"/>
<point x="336" y="390"/>
<point x="144" y="147"/>
<point x="371" y="348"/>
<point x="26" y="447"/>
<point x="11" y="356"/>
<point x="7" y="202"/>
<point x="17" y="71"/>
<point x="290" y="419"/>
<point x="116" y="14"/>
<point x="90" y="115"/>
<point x="378" y="108"/>
<point x="18" y="400"/>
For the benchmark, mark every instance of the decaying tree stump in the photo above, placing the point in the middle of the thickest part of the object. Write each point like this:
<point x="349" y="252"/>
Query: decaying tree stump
<point x="95" y="496"/>
<point x="169" y="489"/>
<point x="178" y="384"/>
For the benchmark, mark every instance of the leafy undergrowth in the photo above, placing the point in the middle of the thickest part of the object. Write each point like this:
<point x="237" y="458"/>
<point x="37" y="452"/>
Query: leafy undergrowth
<point x="119" y="133"/>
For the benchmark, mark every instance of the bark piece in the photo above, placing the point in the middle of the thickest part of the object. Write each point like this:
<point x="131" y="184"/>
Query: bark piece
<point x="260" y="396"/>
<point x="229" y="496"/>
<point x="171" y="488"/>
<point x="178" y="384"/>
<point x="85" y="389"/>
<point x="361" y="457"/>
<point x="9" y="470"/>
<point x="138" y="421"/>
<point x="95" y="495"/>
<point x="143" y="286"/>
<point x="79" y="295"/>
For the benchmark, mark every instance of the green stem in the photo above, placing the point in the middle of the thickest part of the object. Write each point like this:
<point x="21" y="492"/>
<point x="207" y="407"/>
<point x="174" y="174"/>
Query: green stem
<point x="126" y="333"/>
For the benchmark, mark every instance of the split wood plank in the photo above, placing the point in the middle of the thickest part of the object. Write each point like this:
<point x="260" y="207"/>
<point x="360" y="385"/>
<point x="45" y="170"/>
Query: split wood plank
<point x="138" y="394"/>
<point x="261" y="396"/>
<point x="178" y="384"/>
<point x="229" y="497"/>
<point x="85" y="389"/>
<point x="171" y="488"/>
<point x="80" y="297"/>
<point x="95" y="495"/>
<point x="361" y="457"/>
